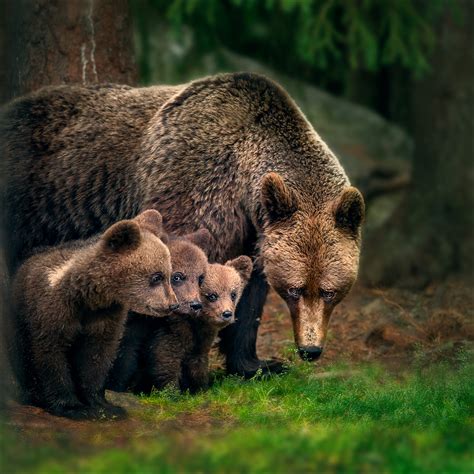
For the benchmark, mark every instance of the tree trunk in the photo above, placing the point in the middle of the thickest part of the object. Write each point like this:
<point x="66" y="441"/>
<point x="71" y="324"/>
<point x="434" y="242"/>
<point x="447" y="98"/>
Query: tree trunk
<point x="67" y="41"/>
<point x="58" y="42"/>
<point x="432" y="233"/>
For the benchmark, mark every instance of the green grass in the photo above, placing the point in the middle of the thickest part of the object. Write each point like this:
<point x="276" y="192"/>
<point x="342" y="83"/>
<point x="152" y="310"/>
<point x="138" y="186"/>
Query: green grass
<point x="363" y="420"/>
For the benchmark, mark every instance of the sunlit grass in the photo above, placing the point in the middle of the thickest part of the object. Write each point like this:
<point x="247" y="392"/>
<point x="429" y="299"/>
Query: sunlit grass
<point x="351" y="419"/>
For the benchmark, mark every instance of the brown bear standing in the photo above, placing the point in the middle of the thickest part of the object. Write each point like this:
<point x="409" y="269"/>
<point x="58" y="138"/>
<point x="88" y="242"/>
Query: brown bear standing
<point x="71" y="303"/>
<point x="232" y="153"/>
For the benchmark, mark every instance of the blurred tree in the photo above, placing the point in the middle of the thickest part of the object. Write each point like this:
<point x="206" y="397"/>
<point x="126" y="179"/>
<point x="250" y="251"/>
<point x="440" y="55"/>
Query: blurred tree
<point x="344" y="46"/>
<point x="433" y="232"/>
<point x="61" y="42"/>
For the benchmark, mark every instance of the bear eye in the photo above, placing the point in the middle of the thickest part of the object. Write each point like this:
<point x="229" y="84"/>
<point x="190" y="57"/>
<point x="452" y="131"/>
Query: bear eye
<point x="156" y="279"/>
<point x="212" y="297"/>
<point x="295" y="293"/>
<point x="200" y="280"/>
<point x="327" y="295"/>
<point x="177" y="278"/>
<point x="233" y="296"/>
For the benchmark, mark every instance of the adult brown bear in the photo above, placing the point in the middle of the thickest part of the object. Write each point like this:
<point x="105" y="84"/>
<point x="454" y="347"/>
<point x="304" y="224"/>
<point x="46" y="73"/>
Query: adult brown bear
<point x="231" y="153"/>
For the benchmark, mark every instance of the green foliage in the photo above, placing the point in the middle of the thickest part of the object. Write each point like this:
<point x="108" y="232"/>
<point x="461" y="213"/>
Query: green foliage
<point x="348" y="419"/>
<point x="311" y="35"/>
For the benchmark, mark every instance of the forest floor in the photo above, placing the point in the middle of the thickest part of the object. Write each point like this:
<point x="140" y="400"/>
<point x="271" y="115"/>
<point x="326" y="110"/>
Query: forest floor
<point x="392" y="393"/>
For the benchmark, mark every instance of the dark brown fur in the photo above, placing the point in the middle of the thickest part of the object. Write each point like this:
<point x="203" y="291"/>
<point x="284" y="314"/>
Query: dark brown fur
<point x="178" y="353"/>
<point x="232" y="153"/>
<point x="189" y="266"/>
<point x="71" y="305"/>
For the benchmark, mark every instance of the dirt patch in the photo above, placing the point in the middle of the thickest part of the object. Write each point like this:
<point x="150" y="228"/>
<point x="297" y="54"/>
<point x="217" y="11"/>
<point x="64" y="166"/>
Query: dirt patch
<point x="381" y="323"/>
<point x="40" y="427"/>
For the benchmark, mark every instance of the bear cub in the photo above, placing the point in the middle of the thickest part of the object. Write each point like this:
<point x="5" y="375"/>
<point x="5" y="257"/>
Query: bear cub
<point x="178" y="354"/>
<point x="189" y="265"/>
<point x="71" y="303"/>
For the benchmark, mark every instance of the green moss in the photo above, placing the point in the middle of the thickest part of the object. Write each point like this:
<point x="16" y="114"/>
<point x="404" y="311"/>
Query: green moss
<point x="353" y="420"/>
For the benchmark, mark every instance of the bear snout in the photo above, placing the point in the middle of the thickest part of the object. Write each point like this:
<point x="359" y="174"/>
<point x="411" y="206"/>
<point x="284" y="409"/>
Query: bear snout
<point x="226" y="315"/>
<point x="195" y="306"/>
<point x="310" y="352"/>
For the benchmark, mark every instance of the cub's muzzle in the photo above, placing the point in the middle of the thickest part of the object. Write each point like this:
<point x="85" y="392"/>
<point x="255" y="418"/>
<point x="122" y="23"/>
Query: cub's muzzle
<point x="195" y="306"/>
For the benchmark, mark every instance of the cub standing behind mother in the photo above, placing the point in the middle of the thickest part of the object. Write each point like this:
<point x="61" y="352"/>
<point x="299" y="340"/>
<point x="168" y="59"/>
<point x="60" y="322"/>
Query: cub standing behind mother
<point x="71" y="303"/>
<point x="177" y="354"/>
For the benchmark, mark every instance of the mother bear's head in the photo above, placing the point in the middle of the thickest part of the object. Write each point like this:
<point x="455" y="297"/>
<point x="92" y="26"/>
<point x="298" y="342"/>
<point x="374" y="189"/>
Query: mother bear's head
<point x="310" y="258"/>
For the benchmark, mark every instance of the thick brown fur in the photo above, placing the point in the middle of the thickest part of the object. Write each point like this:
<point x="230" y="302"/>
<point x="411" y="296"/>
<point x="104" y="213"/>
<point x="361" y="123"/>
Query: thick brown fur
<point x="232" y="153"/>
<point x="316" y="255"/>
<point x="71" y="304"/>
<point x="178" y="353"/>
<point x="189" y="266"/>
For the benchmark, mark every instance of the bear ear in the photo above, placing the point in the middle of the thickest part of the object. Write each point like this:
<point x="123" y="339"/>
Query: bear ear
<point x="152" y="221"/>
<point x="122" y="236"/>
<point x="278" y="200"/>
<point x="350" y="210"/>
<point x="202" y="238"/>
<point x="243" y="265"/>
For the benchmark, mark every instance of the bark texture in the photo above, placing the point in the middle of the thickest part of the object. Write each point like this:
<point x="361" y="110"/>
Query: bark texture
<point x="64" y="42"/>
<point x="431" y="235"/>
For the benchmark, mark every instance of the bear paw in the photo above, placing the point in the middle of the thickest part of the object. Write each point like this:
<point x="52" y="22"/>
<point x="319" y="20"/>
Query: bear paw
<point x="255" y="367"/>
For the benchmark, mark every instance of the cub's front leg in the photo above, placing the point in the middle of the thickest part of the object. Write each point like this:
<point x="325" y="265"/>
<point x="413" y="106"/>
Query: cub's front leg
<point x="93" y="359"/>
<point x="165" y="358"/>
<point x="196" y="374"/>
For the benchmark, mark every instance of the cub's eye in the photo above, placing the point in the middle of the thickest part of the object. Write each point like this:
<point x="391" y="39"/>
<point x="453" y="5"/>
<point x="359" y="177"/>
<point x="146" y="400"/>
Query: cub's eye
<point x="233" y="296"/>
<point x="200" y="280"/>
<point x="327" y="295"/>
<point x="177" y="278"/>
<point x="295" y="293"/>
<point x="156" y="279"/>
<point x="212" y="297"/>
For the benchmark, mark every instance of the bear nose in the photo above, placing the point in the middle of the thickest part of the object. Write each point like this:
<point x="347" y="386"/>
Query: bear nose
<point x="310" y="352"/>
<point x="195" y="305"/>
<point x="227" y="315"/>
<point x="173" y="307"/>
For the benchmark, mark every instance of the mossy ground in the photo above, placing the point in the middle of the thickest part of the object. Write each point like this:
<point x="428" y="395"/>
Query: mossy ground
<point x="357" y="419"/>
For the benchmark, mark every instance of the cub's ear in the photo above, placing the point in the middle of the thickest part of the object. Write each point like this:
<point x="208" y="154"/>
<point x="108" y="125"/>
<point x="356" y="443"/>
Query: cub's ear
<point x="278" y="200"/>
<point x="122" y="236"/>
<point x="202" y="238"/>
<point x="350" y="210"/>
<point x="243" y="265"/>
<point x="152" y="221"/>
